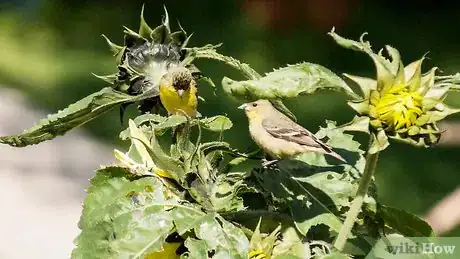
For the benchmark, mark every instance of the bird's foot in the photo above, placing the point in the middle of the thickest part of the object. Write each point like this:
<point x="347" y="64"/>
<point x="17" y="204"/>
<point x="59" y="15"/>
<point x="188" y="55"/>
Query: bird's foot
<point x="268" y="163"/>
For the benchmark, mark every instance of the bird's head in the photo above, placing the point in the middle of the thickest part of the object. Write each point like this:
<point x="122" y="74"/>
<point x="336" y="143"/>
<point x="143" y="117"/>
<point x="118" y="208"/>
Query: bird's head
<point x="180" y="78"/>
<point x="256" y="109"/>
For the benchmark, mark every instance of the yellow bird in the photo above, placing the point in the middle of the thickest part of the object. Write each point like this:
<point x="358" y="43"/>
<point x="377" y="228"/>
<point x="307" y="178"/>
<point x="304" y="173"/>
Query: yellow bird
<point x="178" y="92"/>
<point x="278" y="135"/>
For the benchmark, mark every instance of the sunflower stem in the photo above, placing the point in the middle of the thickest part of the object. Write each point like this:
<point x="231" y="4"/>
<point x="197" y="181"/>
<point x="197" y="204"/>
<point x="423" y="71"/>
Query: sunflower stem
<point x="356" y="204"/>
<point x="209" y="52"/>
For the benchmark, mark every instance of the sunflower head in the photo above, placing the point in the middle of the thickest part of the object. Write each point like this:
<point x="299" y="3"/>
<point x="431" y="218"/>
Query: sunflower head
<point x="401" y="102"/>
<point x="397" y="108"/>
<point x="147" y="56"/>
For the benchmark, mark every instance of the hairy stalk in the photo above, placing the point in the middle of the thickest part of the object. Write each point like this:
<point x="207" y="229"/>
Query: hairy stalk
<point x="209" y="52"/>
<point x="345" y="230"/>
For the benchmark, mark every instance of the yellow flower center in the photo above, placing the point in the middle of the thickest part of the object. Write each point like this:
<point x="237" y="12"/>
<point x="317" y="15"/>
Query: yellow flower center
<point x="399" y="107"/>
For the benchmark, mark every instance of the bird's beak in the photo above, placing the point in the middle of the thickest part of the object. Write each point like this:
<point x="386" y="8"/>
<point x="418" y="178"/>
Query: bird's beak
<point x="180" y="92"/>
<point x="243" y="106"/>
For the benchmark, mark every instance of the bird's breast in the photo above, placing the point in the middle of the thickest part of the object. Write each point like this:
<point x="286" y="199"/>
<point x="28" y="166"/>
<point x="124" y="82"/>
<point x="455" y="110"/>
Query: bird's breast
<point x="174" y="103"/>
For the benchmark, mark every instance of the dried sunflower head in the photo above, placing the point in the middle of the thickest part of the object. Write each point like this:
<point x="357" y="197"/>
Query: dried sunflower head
<point x="147" y="56"/>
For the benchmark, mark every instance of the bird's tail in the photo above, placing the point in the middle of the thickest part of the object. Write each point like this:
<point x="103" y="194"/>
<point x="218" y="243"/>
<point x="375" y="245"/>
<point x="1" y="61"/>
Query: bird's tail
<point x="328" y="151"/>
<point x="339" y="157"/>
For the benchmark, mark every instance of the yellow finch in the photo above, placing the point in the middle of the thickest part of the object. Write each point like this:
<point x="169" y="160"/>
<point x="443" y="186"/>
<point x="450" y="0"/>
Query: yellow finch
<point x="178" y="92"/>
<point x="278" y="135"/>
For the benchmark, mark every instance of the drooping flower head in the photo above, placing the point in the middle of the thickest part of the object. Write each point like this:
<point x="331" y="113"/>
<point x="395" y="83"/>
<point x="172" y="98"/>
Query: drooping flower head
<point x="148" y="55"/>
<point x="402" y="102"/>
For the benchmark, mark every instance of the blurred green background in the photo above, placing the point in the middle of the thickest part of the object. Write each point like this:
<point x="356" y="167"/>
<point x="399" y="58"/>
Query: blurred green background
<point x="48" y="50"/>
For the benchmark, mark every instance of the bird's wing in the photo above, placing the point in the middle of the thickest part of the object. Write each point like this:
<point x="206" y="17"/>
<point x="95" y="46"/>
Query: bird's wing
<point x="294" y="133"/>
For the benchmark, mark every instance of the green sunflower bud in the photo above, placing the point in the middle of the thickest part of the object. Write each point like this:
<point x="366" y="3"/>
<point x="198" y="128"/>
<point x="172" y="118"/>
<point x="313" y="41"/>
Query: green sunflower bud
<point x="401" y="103"/>
<point x="262" y="244"/>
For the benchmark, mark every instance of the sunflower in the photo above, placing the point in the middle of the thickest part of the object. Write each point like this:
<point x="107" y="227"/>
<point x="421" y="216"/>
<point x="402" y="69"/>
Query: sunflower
<point x="401" y="103"/>
<point x="145" y="58"/>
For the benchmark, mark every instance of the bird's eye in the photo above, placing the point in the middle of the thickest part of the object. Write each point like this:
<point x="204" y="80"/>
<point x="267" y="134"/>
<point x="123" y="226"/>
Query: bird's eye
<point x="254" y="104"/>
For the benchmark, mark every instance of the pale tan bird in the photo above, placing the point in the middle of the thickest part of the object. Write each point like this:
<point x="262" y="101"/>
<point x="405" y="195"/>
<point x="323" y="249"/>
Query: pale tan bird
<point x="278" y="135"/>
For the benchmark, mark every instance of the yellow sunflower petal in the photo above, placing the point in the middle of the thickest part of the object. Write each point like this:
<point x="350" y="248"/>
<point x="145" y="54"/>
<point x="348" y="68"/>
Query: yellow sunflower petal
<point x="413" y="73"/>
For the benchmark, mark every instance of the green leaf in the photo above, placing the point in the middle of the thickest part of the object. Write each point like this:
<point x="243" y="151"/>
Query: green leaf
<point x="177" y="38"/>
<point x="386" y="70"/>
<point x="439" y="112"/>
<point x="207" y="80"/>
<point x="138" y="151"/>
<point x="209" y="147"/>
<point x="71" y="117"/>
<point x="150" y="120"/>
<point x="338" y="188"/>
<point x="225" y="194"/>
<point x="186" y="149"/>
<point x="361" y="107"/>
<point x="343" y="143"/>
<point x="287" y="82"/>
<point x="166" y="20"/>
<point x="109" y="198"/>
<point x="148" y="117"/>
<point x="314" y="188"/>
<point x="379" y="142"/>
<point x="108" y="78"/>
<point x="425" y="135"/>
<point x="308" y="216"/>
<point x="404" y="222"/>
<point x="106" y="173"/>
<point x="171" y="122"/>
<point x="359" y="123"/>
<point x="140" y="235"/>
<point x="132" y="37"/>
<point x="209" y="52"/>
<point x="173" y="165"/>
<point x="434" y="96"/>
<point x="197" y="249"/>
<point x="365" y="84"/>
<point x="229" y="186"/>
<point x="144" y="29"/>
<point x="115" y="49"/>
<point x="304" y="200"/>
<point x="123" y="218"/>
<point x="187" y="219"/>
<point x="160" y="33"/>
<point x="291" y="245"/>
<point x="350" y="44"/>
<point x="184" y="43"/>
<point x="217" y="123"/>
<point x="225" y="240"/>
<point x="450" y="81"/>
